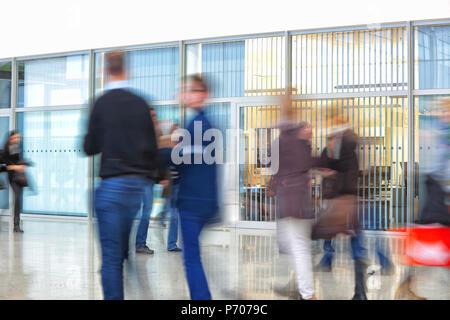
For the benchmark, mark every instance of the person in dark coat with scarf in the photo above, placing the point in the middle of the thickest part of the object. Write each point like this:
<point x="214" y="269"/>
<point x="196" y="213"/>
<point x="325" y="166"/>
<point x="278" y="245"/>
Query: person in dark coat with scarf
<point x="15" y="165"/>
<point x="340" y="156"/>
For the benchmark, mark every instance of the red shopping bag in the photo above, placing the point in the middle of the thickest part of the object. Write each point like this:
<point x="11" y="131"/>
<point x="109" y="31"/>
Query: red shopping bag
<point x="428" y="245"/>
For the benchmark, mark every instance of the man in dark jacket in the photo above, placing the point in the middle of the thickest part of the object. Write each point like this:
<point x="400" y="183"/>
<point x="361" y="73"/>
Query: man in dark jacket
<point x="121" y="130"/>
<point x="197" y="196"/>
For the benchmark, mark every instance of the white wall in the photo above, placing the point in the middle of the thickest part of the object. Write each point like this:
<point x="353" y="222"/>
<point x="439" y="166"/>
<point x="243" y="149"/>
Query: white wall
<point x="31" y="27"/>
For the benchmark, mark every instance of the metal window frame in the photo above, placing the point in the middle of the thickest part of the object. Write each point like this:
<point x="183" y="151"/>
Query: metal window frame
<point x="430" y="22"/>
<point x="149" y="46"/>
<point x="8" y="110"/>
<point x="91" y="95"/>
<point x="51" y="55"/>
<point x="340" y="29"/>
<point x="411" y="127"/>
<point x="235" y="38"/>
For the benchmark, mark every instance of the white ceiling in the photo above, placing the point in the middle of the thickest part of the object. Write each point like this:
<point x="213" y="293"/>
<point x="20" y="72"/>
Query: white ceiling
<point x="31" y="27"/>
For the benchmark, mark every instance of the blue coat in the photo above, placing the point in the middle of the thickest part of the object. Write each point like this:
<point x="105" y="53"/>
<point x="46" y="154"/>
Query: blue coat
<point x="198" y="182"/>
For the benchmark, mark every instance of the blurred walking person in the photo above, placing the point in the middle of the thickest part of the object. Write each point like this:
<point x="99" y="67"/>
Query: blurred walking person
<point x="428" y="240"/>
<point x="292" y="186"/>
<point x="16" y="166"/>
<point x="147" y="201"/>
<point x="121" y="130"/>
<point x="197" y="196"/>
<point x="171" y="201"/>
<point x="294" y="207"/>
<point x="339" y="192"/>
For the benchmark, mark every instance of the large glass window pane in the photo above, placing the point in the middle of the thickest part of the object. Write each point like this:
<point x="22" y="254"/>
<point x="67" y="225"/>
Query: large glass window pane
<point x="153" y="73"/>
<point x="5" y="84"/>
<point x="258" y="126"/>
<point x="253" y="67"/>
<point x="52" y="141"/>
<point x="4" y="193"/>
<point x="53" y="82"/>
<point x="222" y="63"/>
<point x="219" y="116"/>
<point x="433" y="57"/>
<point x="355" y="61"/>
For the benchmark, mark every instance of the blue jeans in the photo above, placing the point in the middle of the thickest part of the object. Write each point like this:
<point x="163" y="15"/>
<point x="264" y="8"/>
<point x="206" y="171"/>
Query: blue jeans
<point x="117" y="200"/>
<point x="147" y="203"/>
<point x="173" y="227"/>
<point x="191" y="227"/>
<point x="358" y="252"/>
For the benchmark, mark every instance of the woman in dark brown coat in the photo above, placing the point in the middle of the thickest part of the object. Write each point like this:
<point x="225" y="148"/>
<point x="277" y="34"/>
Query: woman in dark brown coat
<point x="294" y="209"/>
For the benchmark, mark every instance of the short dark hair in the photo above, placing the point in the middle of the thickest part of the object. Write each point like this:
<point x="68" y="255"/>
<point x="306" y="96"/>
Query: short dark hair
<point x="115" y="62"/>
<point x="198" y="79"/>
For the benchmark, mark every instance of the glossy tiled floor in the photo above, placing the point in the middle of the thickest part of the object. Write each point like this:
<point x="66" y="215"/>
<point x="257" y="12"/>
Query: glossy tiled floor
<point x="60" y="260"/>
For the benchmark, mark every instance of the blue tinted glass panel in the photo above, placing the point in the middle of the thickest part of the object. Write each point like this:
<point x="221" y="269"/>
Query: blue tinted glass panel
<point x="5" y="84"/>
<point x="224" y="65"/>
<point x="52" y="141"/>
<point x="53" y="82"/>
<point x="433" y="57"/>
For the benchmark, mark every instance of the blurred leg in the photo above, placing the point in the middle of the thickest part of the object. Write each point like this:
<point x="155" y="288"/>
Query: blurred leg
<point x="386" y="264"/>
<point x="173" y="227"/>
<point x="142" y="231"/>
<point x="195" y="275"/>
<point x="325" y="263"/>
<point x="17" y="205"/>
<point x="358" y="250"/>
<point x="360" y="292"/>
<point x="116" y="208"/>
<point x="404" y="291"/>
<point x="359" y="255"/>
<point x="109" y="224"/>
<point x="297" y="235"/>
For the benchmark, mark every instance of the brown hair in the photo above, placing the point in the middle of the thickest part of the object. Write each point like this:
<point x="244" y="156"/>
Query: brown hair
<point x="115" y="62"/>
<point x="197" y="78"/>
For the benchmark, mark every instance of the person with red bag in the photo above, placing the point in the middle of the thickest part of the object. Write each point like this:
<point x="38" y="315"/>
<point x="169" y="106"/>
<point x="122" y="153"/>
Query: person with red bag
<point x="428" y="240"/>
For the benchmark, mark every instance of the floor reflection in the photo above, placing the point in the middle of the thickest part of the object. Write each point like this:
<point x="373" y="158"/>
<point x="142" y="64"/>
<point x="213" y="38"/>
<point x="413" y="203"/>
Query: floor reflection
<point x="60" y="260"/>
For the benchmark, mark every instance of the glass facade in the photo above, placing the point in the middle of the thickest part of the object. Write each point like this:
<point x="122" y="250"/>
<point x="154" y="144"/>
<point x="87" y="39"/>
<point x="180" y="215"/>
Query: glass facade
<point x="433" y="57"/>
<point x="4" y="193"/>
<point x="53" y="82"/>
<point x="5" y="84"/>
<point x="363" y="73"/>
<point x="53" y="142"/>
<point x="5" y="104"/>
<point x="252" y="67"/>
<point x="432" y="71"/>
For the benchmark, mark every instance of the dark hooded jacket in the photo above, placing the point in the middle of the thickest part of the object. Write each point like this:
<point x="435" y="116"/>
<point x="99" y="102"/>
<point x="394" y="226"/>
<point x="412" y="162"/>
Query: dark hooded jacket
<point x="346" y="166"/>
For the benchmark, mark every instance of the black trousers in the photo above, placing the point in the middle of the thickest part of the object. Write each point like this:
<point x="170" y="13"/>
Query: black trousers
<point x="17" y="206"/>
